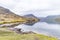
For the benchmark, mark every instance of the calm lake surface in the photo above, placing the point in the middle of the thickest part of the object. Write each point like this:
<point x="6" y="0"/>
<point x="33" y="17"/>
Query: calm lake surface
<point x="43" y="28"/>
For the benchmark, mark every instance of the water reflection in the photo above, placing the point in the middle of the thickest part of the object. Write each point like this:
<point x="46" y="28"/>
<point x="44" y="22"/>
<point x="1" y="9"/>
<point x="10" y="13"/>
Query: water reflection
<point x="43" y="28"/>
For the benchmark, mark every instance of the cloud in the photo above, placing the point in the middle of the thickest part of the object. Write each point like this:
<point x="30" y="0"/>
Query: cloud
<point x="19" y="6"/>
<point x="26" y="5"/>
<point x="8" y="3"/>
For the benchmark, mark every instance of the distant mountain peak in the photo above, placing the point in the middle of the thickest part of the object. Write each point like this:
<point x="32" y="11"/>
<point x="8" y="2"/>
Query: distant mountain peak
<point x="30" y="15"/>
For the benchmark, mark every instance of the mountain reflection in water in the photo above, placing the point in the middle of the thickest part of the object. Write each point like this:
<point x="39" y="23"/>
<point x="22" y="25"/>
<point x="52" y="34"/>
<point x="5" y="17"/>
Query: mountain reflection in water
<point x="43" y="28"/>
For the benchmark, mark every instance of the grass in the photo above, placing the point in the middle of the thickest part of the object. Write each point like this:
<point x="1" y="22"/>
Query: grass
<point x="9" y="35"/>
<point x="14" y="21"/>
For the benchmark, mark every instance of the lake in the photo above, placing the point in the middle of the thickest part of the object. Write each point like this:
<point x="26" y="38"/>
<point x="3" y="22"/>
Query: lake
<point x="49" y="27"/>
<point x="43" y="28"/>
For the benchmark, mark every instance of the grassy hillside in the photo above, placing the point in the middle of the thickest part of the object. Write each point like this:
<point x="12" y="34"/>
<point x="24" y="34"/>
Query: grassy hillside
<point x="9" y="35"/>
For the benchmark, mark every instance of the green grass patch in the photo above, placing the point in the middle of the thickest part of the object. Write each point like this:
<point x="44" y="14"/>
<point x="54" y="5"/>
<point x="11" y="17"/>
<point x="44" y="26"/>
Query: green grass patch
<point x="9" y="35"/>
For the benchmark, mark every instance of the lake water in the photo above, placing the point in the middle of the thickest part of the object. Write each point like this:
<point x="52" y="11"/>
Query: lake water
<point x="43" y="28"/>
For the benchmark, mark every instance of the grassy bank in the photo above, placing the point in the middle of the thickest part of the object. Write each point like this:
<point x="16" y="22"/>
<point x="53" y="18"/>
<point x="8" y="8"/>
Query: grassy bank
<point x="8" y="35"/>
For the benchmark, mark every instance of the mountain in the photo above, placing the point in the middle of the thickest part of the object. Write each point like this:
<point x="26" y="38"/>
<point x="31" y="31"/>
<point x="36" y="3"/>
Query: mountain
<point x="29" y="15"/>
<point x="52" y="19"/>
<point x="8" y="18"/>
<point x="31" y="19"/>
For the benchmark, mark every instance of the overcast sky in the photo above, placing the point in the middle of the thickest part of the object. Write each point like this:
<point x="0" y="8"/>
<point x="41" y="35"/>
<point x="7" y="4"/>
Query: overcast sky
<point x="48" y="7"/>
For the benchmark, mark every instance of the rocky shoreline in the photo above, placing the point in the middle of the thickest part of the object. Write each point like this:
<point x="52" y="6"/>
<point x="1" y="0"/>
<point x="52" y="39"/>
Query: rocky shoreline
<point x="19" y="31"/>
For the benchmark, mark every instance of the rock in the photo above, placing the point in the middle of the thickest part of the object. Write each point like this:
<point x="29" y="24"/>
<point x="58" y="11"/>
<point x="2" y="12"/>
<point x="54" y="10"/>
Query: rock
<point x="19" y="31"/>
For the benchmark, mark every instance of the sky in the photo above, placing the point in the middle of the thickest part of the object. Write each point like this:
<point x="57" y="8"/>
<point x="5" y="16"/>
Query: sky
<point x="46" y="7"/>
